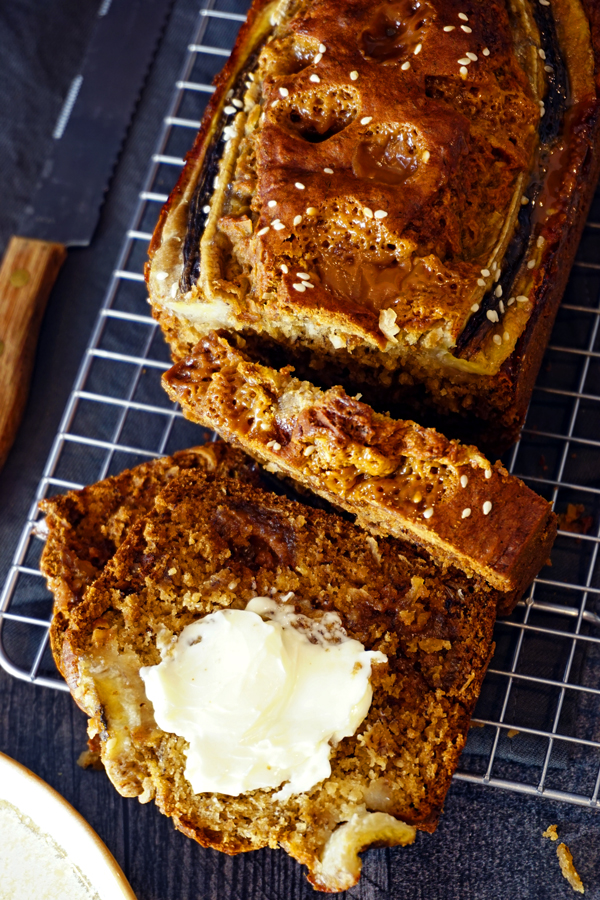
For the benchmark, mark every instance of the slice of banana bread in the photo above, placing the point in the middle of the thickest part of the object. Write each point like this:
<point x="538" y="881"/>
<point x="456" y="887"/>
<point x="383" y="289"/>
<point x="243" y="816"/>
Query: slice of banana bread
<point x="209" y="545"/>
<point x="85" y="527"/>
<point x="395" y="476"/>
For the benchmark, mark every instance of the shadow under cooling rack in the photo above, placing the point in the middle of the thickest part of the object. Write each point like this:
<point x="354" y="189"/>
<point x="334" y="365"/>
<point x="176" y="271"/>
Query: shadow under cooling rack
<point x="536" y="728"/>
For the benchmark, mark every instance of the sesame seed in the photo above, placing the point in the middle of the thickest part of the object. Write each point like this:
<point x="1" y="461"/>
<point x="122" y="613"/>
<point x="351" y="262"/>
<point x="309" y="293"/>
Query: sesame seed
<point x="418" y="49"/>
<point x="498" y="291"/>
<point x="368" y="212"/>
<point x="263" y="230"/>
<point x="299" y="287"/>
<point x="366" y="119"/>
<point x="510" y="301"/>
<point x="494" y="266"/>
<point x="303" y="275"/>
<point x="485" y="51"/>
<point x="488" y="473"/>
<point x="238" y="104"/>
<point x="248" y="84"/>
<point x="464" y="61"/>
<point x="463" y="71"/>
<point x="548" y="69"/>
<point x="540" y="241"/>
<point x="229" y="110"/>
<point x="522" y="298"/>
<point x="311" y="211"/>
<point x="449" y="27"/>
<point x="315" y="79"/>
<point x="380" y="214"/>
<point x="284" y="92"/>
<point x="481" y="282"/>
<point x="405" y="66"/>
<point x="485" y="273"/>
<point x="426" y="155"/>
<point x="506" y="336"/>
<point x="284" y="268"/>
<point x="544" y="2"/>
<point x="318" y="58"/>
<point x="531" y="264"/>
<point x="322" y="48"/>
<point x="472" y="56"/>
<point x="299" y="185"/>
<point x="310" y="449"/>
<point x="275" y="445"/>
<point x="353" y="75"/>
<point x="277" y="225"/>
<point x="250" y="76"/>
<point x="475" y="307"/>
<point x="274" y="103"/>
<point x="463" y="17"/>
<point x="501" y="307"/>
<point x="497" y="339"/>
<point x="492" y="315"/>
<point x="465" y="513"/>
<point x="297" y="220"/>
<point x="272" y="203"/>
<point x="497" y="275"/>
<point x="328" y="171"/>
<point x="464" y="481"/>
<point x="417" y="497"/>
<point x="162" y="276"/>
<point x="428" y="513"/>
<point x="524" y="200"/>
<point x="466" y="29"/>
<point x="308" y="284"/>
<point x="541" y="53"/>
<point x="487" y="508"/>
<point x="206" y="209"/>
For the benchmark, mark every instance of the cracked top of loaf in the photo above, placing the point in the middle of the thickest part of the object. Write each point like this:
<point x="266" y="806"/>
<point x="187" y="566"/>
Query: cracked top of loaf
<point x="377" y="163"/>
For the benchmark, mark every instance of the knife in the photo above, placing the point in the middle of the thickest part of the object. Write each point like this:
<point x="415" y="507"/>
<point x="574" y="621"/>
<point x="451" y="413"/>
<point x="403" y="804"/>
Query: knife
<point x="67" y="200"/>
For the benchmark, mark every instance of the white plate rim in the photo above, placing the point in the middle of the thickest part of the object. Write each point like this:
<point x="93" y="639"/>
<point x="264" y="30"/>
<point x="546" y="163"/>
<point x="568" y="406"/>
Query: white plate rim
<point x="55" y="817"/>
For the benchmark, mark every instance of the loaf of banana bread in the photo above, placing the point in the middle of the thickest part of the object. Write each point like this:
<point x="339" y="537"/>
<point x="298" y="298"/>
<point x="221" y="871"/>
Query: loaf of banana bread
<point x="390" y="195"/>
<point x="212" y="545"/>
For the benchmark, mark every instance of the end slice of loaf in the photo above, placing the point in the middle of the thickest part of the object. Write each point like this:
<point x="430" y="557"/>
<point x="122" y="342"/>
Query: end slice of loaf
<point x="86" y="527"/>
<point x="396" y="477"/>
<point x="212" y="544"/>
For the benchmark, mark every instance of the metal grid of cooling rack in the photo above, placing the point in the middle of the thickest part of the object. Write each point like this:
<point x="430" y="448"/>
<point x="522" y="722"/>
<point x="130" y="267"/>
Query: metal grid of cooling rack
<point x="537" y="725"/>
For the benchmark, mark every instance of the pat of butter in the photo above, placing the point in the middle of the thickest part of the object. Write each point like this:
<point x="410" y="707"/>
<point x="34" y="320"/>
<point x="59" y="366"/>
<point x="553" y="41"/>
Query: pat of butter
<point x="261" y="695"/>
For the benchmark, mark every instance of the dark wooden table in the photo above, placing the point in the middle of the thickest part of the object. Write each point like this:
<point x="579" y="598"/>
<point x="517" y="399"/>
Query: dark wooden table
<point x="489" y="845"/>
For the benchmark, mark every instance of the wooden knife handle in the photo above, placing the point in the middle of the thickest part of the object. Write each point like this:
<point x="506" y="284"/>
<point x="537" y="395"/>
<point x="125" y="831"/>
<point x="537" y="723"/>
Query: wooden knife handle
<point x="27" y="274"/>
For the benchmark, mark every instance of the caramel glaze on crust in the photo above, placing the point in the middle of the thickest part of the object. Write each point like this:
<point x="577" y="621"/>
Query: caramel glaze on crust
<point x="208" y="545"/>
<point x="395" y="476"/>
<point x="397" y="306"/>
<point x="86" y="527"/>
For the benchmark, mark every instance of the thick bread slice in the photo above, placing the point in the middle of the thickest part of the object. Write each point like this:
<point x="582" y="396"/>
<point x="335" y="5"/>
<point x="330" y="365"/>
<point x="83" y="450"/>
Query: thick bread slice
<point x="395" y="476"/>
<point x="212" y="544"/>
<point x="85" y="527"/>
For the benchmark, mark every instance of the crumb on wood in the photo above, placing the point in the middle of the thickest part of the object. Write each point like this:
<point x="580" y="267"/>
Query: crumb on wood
<point x="575" y="520"/>
<point x="569" y="871"/>
<point x="551" y="832"/>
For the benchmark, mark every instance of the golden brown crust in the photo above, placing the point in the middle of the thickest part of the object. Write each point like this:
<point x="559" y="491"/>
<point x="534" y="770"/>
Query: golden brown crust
<point x="439" y="219"/>
<point x="395" y="476"/>
<point x="212" y="544"/>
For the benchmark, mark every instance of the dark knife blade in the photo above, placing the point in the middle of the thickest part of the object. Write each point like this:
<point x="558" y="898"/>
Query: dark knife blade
<point x="68" y="197"/>
<point x="67" y="200"/>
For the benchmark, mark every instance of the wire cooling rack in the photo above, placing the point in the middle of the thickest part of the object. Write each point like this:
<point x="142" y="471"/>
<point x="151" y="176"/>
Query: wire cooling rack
<point x="537" y="725"/>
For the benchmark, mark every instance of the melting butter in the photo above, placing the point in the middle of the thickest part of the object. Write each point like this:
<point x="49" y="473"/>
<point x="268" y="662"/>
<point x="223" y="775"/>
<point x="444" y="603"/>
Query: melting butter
<point x="261" y="695"/>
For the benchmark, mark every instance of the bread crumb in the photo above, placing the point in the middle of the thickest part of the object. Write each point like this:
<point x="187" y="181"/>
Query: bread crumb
<point x="512" y="733"/>
<point x="565" y="859"/>
<point x="551" y="832"/>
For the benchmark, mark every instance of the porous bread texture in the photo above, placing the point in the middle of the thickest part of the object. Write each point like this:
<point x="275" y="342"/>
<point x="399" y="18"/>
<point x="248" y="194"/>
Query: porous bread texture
<point x="86" y="527"/>
<point x="215" y="544"/>
<point x="395" y="476"/>
<point x="368" y="196"/>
